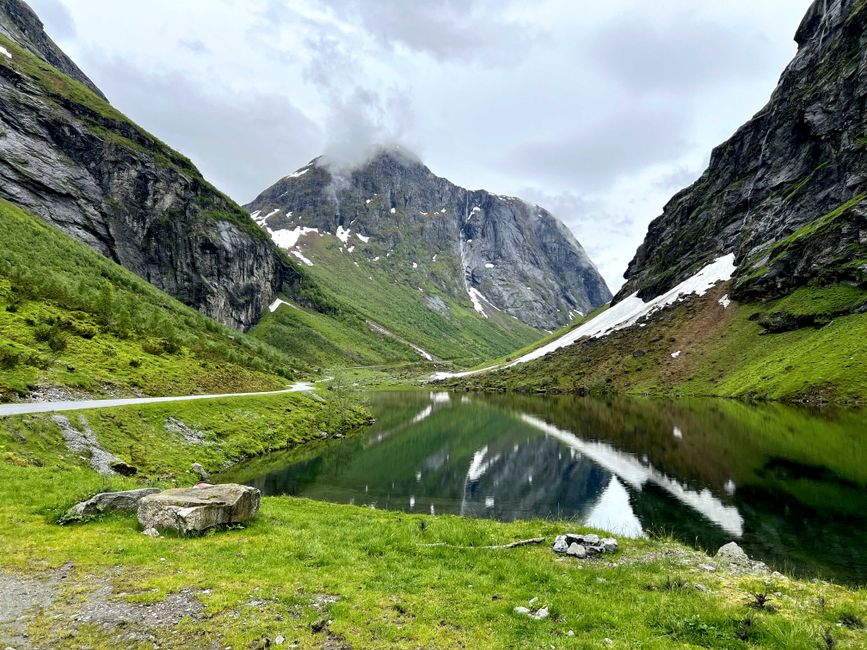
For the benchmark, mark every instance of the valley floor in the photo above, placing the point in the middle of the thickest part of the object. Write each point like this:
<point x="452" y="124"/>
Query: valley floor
<point x="315" y="575"/>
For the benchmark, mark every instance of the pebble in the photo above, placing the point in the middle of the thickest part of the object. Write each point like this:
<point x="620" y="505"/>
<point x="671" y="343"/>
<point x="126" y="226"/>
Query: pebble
<point x="542" y="613"/>
<point x="707" y="567"/>
<point x="522" y="610"/>
<point x="607" y="641"/>
<point x="151" y="532"/>
<point x="576" y="550"/>
<point x="534" y="600"/>
<point x="570" y="633"/>
<point x="279" y="639"/>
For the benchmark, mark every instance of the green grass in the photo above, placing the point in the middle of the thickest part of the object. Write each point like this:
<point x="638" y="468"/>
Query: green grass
<point x="70" y="317"/>
<point x="815" y="227"/>
<point x="391" y="294"/>
<point x="389" y="588"/>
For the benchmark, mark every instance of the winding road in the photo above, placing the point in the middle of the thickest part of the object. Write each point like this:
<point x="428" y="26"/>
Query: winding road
<point x="50" y="407"/>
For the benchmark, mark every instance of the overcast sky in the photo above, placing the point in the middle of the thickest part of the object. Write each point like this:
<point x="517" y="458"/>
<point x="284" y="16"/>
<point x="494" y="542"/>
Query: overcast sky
<point x="598" y="111"/>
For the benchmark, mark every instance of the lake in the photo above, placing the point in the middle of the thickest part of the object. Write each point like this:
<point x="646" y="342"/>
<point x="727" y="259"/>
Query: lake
<point x="789" y="485"/>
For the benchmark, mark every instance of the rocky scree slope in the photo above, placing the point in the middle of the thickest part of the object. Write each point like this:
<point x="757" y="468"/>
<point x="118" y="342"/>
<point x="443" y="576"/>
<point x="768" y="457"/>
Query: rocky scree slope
<point x="472" y="246"/>
<point x="785" y="193"/>
<point x="69" y="157"/>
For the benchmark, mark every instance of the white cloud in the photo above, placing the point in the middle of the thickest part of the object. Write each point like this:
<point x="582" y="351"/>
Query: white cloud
<point x="600" y="110"/>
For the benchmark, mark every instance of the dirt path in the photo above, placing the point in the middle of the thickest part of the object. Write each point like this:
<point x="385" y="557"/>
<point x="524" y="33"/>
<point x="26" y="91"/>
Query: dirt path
<point x="51" y="407"/>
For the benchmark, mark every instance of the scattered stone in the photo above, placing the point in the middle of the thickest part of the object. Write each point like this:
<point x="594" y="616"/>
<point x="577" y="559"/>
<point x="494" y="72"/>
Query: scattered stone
<point x="188" y="433"/>
<point x="126" y="501"/>
<point x="591" y="545"/>
<point x="607" y="641"/>
<point x="738" y="562"/>
<point x="534" y="600"/>
<point x="601" y="580"/>
<point x="576" y="550"/>
<point x="538" y="615"/>
<point x="190" y="510"/>
<point x="202" y="473"/>
<point x="731" y="552"/>
<point x="84" y="442"/>
<point x="151" y="532"/>
<point x="707" y="567"/>
<point x="701" y="587"/>
<point x="279" y="639"/>
<point x="570" y="633"/>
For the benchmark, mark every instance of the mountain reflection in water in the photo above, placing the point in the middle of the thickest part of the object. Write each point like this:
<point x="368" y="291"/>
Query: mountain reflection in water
<point x="774" y="478"/>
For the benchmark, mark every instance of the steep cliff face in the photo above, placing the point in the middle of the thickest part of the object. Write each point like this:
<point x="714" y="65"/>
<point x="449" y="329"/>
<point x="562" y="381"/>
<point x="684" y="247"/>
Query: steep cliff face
<point x="70" y="158"/>
<point x="473" y="246"/>
<point x="785" y="193"/>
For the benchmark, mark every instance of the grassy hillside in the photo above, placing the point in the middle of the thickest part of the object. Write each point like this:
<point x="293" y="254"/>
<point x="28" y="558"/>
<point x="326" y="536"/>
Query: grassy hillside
<point x="323" y="575"/>
<point x="808" y="346"/>
<point x="395" y="297"/>
<point x="71" y="318"/>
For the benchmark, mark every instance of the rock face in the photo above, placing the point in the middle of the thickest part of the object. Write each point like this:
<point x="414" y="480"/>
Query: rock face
<point x="785" y="192"/>
<point x="480" y="247"/>
<point x="191" y="510"/>
<point x="70" y="158"/>
<point x="126" y="501"/>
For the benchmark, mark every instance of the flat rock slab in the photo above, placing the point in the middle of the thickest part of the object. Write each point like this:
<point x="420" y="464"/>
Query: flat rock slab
<point x="126" y="501"/>
<point x="195" y="509"/>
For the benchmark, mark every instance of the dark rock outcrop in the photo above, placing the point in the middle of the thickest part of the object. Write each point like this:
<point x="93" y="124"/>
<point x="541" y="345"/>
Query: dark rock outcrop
<point x="70" y="158"/>
<point x="520" y="258"/>
<point x="785" y="192"/>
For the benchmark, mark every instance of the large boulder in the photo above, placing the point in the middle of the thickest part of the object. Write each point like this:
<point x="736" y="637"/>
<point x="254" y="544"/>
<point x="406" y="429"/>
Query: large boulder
<point x="126" y="501"/>
<point x="190" y="510"/>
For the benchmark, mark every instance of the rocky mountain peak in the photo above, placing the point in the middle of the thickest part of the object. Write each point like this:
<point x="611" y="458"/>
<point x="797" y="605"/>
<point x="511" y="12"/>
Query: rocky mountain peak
<point x="20" y="23"/>
<point x="473" y="246"/>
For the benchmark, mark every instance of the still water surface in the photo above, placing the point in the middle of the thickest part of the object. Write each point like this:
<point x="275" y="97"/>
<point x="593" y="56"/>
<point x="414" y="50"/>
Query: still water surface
<point x="789" y="485"/>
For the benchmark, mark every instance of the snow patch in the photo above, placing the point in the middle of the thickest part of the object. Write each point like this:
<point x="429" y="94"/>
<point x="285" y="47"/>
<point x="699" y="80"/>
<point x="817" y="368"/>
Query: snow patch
<point x="724" y="301"/>
<point x="433" y="259"/>
<point x="489" y="265"/>
<point x="393" y="210"/>
<point x="362" y="238"/>
<point x="298" y="254"/>
<point x="342" y="235"/>
<point x="5" y="52"/>
<point x="255" y="214"/>
<point x="375" y="259"/>
<point x="367" y="202"/>
<point x="443" y="211"/>
<point x="299" y="173"/>
<point x="289" y="238"/>
<point x="477" y="298"/>
<point x="349" y="249"/>
<point x="273" y="306"/>
<point x="414" y="265"/>
<point x="675" y="355"/>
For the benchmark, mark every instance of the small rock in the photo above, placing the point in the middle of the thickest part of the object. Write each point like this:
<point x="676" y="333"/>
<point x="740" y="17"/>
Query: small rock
<point x="609" y="545"/>
<point x="700" y="587"/>
<point x="541" y="613"/>
<point x="151" y="532"/>
<point x="279" y="639"/>
<point x="200" y="471"/>
<point x="707" y="567"/>
<point x="534" y="600"/>
<point x="732" y="553"/>
<point x="522" y="610"/>
<point x="560" y="544"/>
<point x="576" y="550"/>
<point x="607" y="641"/>
<point x="126" y="501"/>
<point x="600" y="579"/>
<point x="570" y="633"/>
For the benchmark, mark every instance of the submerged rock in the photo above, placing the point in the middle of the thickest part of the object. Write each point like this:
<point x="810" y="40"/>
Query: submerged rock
<point x="190" y="510"/>
<point x="126" y="501"/>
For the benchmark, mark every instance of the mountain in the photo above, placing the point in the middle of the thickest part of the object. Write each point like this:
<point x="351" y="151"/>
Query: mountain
<point x="72" y="159"/>
<point x="785" y="192"/>
<point x="753" y="281"/>
<point x="472" y="247"/>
